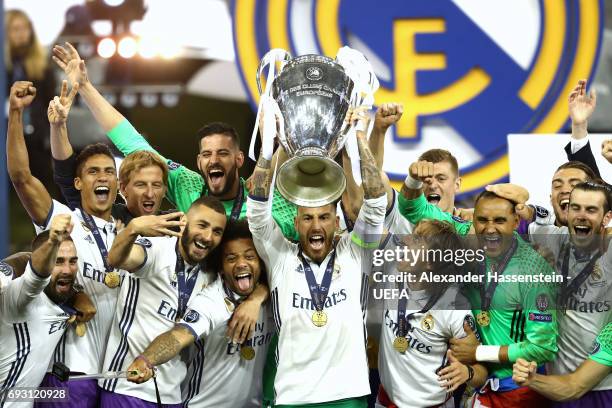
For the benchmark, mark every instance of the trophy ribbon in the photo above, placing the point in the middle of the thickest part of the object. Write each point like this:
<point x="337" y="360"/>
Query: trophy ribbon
<point x="270" y="59"/>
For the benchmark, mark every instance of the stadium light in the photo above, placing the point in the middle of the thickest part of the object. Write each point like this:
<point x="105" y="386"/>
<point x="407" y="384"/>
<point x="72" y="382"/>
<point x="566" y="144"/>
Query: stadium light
<point x="147" y="48"/>
<point x="127" y="47"/>
<point x="107" y="48"/>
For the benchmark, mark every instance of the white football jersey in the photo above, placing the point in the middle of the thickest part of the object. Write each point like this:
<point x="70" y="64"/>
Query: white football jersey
<point x="31" y="325"/>
<point x="147" y="307"/>
<point x="85" y="354"/>
<point x="410" y="378"/>
<point x="6" y="275"/>
<point x="312" y="361"/>
<point x="221" y="378"/>
<point x="589" y="308"/>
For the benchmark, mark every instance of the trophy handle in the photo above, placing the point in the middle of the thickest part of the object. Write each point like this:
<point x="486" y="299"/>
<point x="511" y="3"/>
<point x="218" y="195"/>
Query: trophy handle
<point x="271" y="57"/>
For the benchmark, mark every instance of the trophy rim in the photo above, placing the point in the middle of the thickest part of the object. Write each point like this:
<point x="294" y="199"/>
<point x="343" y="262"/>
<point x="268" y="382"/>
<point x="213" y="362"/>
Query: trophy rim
<point x="301" y="202"/>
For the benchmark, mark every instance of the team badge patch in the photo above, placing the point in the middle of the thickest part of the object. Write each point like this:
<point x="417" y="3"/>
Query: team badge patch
<point x="542" y="302"/>
<point x="541" y="212"/>
<point x="540" y="317"/>
<point x="465" y="79"/>
<point x="144" y="242"/>
<point x="6" y="269"/>
<point x="428" y="322"/>
<point x="597" y="274"/>
<point x="596" y="348"/>
<point x="191" y="316"/>
<point x="173" y="165"/>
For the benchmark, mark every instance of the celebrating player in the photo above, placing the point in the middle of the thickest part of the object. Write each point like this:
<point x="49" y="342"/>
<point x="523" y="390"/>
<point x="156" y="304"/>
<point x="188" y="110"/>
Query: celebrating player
<point x="514" y="310"/>
<point x="230" y="374"/>
<point x="219" y="157"/>
<point x="417" y="328"/>
<point x="93" y="233"/>
<point x="164" y="270"/>
<point x="584" y="259"/>
<point x="316" y="290"/>
<point x="575" y="385"/>
<point x="34" y="311"/>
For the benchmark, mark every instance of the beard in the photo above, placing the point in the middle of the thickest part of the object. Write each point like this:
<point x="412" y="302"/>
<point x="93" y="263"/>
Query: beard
<point x="231" y="178"/>
<point x="56" y="297"/>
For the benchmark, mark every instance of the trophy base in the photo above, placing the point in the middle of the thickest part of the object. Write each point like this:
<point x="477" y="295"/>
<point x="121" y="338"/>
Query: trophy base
<point x="311" y="181"/>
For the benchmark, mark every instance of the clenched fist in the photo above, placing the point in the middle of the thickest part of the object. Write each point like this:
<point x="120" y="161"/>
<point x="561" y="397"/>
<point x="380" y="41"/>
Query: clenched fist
<point x="22" y="94"/>
<point x="60" y="228"/>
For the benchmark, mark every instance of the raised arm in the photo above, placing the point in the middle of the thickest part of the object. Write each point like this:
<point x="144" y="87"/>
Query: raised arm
<point x="43" y="258"/>
<point x="388" y="114"/>
<point x="64" y="168"/>
<point x="126" y="254"/>
<point x="581" y="107"/>
<point x="32" y="193"/>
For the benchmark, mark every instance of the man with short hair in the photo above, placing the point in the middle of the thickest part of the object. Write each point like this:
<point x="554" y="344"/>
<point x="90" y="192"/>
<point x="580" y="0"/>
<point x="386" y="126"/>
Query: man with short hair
<point x="230" y="374"/>
<point x="512" y="303"/>
<point x="573" y="386"/>
<point x="219" y="156"/>
<point x="584" y="259"/>
<point x="143" y="175"/>
<point x="93" y="234"/>
<point x="317" y="291"/>
<point x="165" y="270"/>
<point x="34" y="310"/>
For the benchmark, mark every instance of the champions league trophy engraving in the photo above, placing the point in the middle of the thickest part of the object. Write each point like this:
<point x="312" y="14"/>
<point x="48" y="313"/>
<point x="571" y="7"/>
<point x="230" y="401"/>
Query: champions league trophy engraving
<point x="313" y="94"/>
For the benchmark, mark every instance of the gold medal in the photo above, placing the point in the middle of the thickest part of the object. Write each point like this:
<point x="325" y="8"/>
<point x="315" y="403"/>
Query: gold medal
<point x="400" y="344"/>
<point x="71" y="319"/>
<point x="112" y="279"/>
<point x="247" y="352"/>
<point x="319" y="318"/>
<point x="483" y="318"/>
<point x="80" y="329"/>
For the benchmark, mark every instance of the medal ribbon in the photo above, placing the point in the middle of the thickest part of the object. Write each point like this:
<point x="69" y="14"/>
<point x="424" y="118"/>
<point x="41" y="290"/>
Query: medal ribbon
<point x="567" y="290"/>
<point x="185" y="284"/>
<point x="238" y="202"/>
<point x="318" y="293"/>
<point x="487" y="291"/>
<point x="403" y="321"/>
<point x="230" y="295"/>
<point x="89" y="221"/>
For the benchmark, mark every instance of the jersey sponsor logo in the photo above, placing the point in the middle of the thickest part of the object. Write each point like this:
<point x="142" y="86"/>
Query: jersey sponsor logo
<point x="191" y="316"/>
<point x="166" y="310"/>
<point x="460" y="74"/>
<point x="258" y="340"/>
<point x="144" y="242"/>
<point x="300" y="302"/>
<point x="541" y="317"/>
<point x="57" y="325"/>
<point x="173" y="165"/>
<point x="6" y="269"/>
<point x="596" y="348"/>
<point x="542" y="302"/>
<point x="413" y="342"/>
<point x="589" y="307"/>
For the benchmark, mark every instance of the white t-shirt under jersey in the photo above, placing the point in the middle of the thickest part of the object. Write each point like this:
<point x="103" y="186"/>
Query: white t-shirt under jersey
<point x="86" y="354"/>
<point x="410" y="379"/>
<point x="589" y="308"/>
<point x="318" y="364"/>
<point x="147" y="307"/>
<point x="222" y="378"/>
<point x="31" y="325"/>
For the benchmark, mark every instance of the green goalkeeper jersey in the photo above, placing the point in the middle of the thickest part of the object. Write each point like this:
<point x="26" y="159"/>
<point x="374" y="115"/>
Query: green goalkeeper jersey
<point x="185" y="185"/>
<point x="419" y="209"/>
<point x="522" y="311"/>
<point x="602" y="350"/>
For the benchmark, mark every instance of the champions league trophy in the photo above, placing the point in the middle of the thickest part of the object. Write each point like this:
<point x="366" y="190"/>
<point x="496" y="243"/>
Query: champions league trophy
<point x="312" y="95"/>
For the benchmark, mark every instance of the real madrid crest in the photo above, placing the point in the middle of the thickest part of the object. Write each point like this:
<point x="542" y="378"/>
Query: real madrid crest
<point x="428" y="322"/>
<point x="597" y="274"/>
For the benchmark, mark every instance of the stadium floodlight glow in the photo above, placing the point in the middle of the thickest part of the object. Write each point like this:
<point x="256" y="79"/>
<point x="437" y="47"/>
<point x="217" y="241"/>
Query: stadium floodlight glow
<point x="169" y="50"/>
<point x="127" y="47"/>
<point x="147" y="48"/>
<point x="128" y="99"/>
<point x="107" y="48"/>
<point x="114" y="3"/>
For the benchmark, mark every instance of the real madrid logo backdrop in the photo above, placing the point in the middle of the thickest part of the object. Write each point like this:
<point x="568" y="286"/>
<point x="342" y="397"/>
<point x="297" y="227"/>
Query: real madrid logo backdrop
<point x="468" y="72"/>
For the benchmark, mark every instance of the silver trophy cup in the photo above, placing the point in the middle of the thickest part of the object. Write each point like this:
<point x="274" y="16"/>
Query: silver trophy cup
<point x="313" y="94"/>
